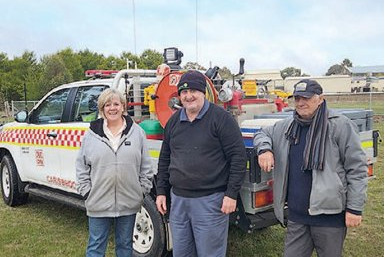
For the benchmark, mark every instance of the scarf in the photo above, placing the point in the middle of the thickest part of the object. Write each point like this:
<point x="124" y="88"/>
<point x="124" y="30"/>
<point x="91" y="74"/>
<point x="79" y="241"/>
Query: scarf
<point x="314" y="153"/>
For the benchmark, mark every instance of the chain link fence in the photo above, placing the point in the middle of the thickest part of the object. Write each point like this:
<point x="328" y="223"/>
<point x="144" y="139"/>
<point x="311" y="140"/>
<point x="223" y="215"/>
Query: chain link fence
<point x="10" y="109"/>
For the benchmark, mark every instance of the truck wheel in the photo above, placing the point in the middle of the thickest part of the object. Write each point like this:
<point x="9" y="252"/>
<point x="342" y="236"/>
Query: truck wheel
<point x="149" y="231"/>
<point x="9" y="183"/>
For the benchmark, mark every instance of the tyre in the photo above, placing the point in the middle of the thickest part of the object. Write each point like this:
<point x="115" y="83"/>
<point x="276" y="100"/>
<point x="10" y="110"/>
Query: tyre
<point x="9" y="183"/>
<point x="149" y="232"/>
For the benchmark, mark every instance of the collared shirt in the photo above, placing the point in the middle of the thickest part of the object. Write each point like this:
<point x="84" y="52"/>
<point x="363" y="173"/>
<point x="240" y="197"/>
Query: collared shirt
<point x="114" y="139"/>
<point x="202" y="112"/>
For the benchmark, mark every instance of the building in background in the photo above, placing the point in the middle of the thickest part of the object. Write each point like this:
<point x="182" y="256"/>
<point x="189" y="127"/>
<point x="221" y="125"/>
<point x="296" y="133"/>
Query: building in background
<point x="367" y="78"/>
<point x="330" y="84"/>
<point x="362" y="79"/>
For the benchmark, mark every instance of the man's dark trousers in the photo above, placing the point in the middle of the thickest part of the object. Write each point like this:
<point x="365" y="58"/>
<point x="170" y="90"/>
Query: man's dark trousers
<point x="301" y="240"/>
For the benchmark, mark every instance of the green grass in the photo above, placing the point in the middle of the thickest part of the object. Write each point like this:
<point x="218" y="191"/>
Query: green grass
<point x="377" y="107"/>
<point x="44" y="228"/>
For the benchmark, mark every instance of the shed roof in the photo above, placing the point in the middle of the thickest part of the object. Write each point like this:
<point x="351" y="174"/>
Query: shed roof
<point x="263" y="75"/>
<point x="367" y="69"/>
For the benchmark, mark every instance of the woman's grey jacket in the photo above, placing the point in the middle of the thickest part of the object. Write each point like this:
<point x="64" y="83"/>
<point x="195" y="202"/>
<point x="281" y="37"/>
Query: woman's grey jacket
<point x="112" y="182"/>
<point x="343" y="182"/>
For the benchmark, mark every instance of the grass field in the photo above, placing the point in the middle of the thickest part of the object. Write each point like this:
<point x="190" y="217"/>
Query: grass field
<point x="44" y="228"/>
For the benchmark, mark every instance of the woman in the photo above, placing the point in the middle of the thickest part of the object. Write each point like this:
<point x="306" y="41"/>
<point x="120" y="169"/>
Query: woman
<point x="113" y="171"/>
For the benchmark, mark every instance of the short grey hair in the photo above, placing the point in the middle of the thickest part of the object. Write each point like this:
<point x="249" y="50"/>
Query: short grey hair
<point x="106" y="96"/>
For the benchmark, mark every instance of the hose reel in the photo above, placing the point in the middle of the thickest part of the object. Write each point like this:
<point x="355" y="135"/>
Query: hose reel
<point x="166" y="95"/>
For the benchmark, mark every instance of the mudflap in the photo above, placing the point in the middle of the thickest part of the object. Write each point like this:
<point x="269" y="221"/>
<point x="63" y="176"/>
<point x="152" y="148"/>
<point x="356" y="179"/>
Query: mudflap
<point x="249" y="222"/>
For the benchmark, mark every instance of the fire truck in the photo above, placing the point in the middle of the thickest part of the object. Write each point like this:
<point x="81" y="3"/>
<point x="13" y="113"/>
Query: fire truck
<point x="38" y="149"/>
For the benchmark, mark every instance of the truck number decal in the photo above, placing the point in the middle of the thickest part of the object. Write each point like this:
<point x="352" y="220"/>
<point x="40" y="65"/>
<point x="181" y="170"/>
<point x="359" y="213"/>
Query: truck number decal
<point x="174" y="79"/>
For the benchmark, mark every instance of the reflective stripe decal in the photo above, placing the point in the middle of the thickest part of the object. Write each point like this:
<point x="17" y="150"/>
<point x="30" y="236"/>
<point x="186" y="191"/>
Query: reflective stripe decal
<point x="367" y="144"/>
<point x="154" y="153"/>
<point x="69" y="138"/>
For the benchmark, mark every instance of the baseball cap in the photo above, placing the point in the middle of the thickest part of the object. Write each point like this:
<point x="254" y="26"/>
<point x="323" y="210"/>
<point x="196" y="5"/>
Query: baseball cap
<point x="307" y="88"/>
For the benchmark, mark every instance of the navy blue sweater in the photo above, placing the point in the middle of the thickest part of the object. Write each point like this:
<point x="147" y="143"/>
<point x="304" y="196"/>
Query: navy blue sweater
<point x="202" y="157"/>
<point x="299" y="188"/>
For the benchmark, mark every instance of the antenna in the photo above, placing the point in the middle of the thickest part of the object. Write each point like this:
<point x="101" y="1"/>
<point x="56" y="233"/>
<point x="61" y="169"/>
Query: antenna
<point x="133" y="15"/>
<point x="196" y="31"/>
<point x="25" y="97"/>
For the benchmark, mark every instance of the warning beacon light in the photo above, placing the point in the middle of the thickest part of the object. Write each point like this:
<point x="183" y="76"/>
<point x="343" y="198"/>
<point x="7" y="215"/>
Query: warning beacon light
<point x="172" y="57"/>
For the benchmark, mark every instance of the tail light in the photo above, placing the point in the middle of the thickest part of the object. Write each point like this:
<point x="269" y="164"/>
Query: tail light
<point x="370" y="170"/>
<point x="263" y="198"/>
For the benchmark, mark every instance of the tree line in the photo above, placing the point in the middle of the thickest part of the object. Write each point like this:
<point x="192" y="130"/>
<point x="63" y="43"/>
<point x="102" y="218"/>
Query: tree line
<point x="336" y="69"/>
<point x="66" y="66"/>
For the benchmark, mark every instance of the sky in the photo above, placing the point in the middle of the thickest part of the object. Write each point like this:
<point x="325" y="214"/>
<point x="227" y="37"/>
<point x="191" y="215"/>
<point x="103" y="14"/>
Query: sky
<point x="311" y="35"/>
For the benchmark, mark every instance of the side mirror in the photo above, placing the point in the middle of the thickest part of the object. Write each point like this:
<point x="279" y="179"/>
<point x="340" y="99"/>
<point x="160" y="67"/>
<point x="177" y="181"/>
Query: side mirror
<point x="21" y="116"/>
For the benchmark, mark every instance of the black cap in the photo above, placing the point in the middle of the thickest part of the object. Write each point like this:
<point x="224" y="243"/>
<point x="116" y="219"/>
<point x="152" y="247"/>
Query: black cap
<point x="307" y="88"/>
<point x="192" y="80"/>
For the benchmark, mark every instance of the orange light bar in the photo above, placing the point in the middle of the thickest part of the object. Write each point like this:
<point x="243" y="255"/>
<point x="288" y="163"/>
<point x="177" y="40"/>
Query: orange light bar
<point x="100" y="73"/>
<point x="263" y="198"/>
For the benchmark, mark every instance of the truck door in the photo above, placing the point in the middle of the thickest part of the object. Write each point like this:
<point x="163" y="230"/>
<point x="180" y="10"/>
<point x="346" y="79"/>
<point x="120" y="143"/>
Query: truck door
<point x="83" y="110"/>
<point x="41" y="149"/>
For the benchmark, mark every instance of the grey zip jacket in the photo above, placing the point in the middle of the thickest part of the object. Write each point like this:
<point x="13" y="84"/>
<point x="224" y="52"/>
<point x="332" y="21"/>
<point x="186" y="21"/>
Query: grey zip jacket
<point x="113" y="183"/>
<point x="343" y="182"/>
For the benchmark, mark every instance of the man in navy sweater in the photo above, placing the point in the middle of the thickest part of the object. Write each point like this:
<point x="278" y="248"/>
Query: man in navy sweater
<point x="202" y="165"/>
<point x="320" y="173"/>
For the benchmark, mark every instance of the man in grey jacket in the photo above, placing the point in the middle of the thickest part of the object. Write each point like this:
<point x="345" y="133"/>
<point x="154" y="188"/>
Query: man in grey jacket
<point x="320" y="173"/>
